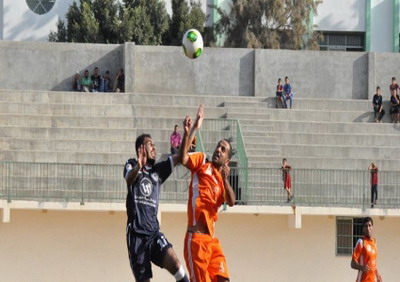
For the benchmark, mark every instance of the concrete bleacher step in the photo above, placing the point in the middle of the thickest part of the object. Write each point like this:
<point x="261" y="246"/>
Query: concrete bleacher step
<point x="309" y="104"/>
<point x="299" y="126"/>
<point x="304" y="115"/>
<point x="322" y="163"/>
<point x="342" y="139"/>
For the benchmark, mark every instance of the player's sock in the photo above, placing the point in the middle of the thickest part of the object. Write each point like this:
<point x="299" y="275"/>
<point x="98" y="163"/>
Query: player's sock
<point x="180" y="275"/>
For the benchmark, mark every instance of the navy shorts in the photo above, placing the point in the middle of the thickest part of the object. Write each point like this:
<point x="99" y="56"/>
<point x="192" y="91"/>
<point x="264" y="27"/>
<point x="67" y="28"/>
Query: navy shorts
<point x="144" y="249"/>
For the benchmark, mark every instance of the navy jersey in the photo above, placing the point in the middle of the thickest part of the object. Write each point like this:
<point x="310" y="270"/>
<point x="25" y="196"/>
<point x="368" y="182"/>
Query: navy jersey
<point x="143" y="195"/>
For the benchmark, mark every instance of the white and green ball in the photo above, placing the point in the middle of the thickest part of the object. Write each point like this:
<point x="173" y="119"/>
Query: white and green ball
<point x="192" y="43"/>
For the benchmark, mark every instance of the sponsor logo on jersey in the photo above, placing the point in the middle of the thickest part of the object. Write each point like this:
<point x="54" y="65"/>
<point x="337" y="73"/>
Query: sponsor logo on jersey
<point x="146" y="187"/>
<point x="154" y="175"/>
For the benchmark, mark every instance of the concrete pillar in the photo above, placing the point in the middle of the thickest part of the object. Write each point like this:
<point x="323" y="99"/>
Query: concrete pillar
<point x="371" y="75"/>
<point x="5" y="214"/>
<point x="368" y="8"/>
<point x="396" y="27"/>
<point x="294" y="220"/>
<point x="129" y="66"/>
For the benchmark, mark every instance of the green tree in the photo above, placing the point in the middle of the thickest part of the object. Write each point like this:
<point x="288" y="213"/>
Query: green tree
<point x="185" y="17"/>
<point x="268" y="24"/>
<point x="106" y="13"/>
<point x="61" y="34"/>
<point x="148" y="19"/>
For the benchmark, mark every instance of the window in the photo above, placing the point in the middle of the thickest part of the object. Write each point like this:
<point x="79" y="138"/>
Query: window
<point x="340" y="41"/>
<point x="40" y="7"/>
<point x="348" y="231"/>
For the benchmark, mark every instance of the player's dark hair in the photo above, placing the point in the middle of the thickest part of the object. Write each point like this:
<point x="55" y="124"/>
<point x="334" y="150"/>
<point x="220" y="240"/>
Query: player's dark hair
<point x="367" y="219"/>
<point x="140" y="140"/>
<point x="230" y="152"/>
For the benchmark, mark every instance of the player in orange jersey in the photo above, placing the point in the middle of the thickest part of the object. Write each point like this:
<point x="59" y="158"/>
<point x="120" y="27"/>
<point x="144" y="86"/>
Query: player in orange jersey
<point x="209" y="189"/>
<point x="364" y="255"/>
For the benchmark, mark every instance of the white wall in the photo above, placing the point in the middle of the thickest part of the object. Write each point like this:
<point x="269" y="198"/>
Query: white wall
<point x="382" y="26"/>
<point x="21" y="24"/>
<point x="90" y="246"/>
<point x="341" y="15"/>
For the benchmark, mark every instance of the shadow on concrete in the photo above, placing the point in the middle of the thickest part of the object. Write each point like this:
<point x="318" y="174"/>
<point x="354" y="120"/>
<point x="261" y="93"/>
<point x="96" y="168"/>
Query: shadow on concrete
<point x="107" y="62"/>
<point x="359" y="89"/>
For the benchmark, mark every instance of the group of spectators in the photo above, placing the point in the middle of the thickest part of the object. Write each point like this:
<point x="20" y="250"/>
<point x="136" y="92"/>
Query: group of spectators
<point x="97" y="82"/>
<point x="394" y="110"/>
<point x="284" y="93"/>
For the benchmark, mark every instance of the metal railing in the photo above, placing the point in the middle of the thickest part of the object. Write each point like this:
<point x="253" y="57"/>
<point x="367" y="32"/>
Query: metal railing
<point x="104" y="183"/>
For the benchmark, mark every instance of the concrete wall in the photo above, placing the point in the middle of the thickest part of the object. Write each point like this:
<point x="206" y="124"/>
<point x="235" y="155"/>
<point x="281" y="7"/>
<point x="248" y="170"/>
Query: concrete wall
<point x="226" y="71"/>
<point x="328" y="75"/>
<point x="341" y="15"/>
<point x="51" y="66"/>
<point x="386" y="66"/>
<point x="217" y="71"/>
<point x="91" y="246"/>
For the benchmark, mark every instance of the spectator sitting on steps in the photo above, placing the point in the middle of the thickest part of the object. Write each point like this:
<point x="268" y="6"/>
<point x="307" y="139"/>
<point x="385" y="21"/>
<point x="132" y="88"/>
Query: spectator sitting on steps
<point x="379" y="112"/>
<point x="86" y="82"/>
<point x="287" y="93"/>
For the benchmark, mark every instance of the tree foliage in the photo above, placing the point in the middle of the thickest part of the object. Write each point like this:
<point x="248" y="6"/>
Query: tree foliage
<point x="145" y="22"/>
<point x="184" y="17"/>
<point x="268" y="24"/>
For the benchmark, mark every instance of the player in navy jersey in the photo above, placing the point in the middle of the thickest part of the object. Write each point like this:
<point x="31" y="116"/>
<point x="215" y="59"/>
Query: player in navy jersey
<point x="145" y="242"/>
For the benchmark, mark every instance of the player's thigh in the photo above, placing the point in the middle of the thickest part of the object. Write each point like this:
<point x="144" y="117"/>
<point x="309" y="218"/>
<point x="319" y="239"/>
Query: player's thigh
<point x="139" y="257"/>
<point x="197" y="251"/>
<point x="160" y="250"/>
<point x="218" y="267"/>
<point x="171" y="261"/>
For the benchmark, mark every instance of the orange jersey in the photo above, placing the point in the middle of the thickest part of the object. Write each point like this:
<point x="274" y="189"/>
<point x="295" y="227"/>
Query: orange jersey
<point x="365" y="253"/>
<point x="206" y="192"/>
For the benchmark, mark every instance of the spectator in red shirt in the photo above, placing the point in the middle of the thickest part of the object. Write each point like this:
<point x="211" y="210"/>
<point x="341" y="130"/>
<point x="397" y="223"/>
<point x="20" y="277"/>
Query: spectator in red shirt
<point x="287" y="181"/>
<point x="373" y="169"/>
<point x="175" y="140"/>
<point x="279" y="94"/>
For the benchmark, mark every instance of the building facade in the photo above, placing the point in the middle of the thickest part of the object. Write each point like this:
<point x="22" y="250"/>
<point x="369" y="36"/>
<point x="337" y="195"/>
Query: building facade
<point x="347" y="25"/>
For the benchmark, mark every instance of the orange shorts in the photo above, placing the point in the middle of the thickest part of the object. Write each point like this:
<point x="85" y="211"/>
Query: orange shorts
<point x="204" y="258"/>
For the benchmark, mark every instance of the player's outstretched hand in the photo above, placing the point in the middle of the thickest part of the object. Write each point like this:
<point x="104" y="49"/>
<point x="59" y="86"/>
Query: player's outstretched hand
<point x="199" y="117"/>
<point x="142" y="157"/>
<point x="225" y="171"/>
<point x="187" y="124"/>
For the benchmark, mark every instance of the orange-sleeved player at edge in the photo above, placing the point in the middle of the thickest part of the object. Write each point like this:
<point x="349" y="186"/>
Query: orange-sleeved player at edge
<point x="209" y="189"/>
<point x="365" y="254"/>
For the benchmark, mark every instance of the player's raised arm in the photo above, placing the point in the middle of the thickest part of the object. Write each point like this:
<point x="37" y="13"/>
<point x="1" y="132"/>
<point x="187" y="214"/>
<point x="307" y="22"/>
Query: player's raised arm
<point x="189" y="134"/>
<point x="132" y="174"/>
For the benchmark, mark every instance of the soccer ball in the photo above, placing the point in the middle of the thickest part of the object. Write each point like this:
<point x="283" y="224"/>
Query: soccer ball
<point x="192" y="43"/>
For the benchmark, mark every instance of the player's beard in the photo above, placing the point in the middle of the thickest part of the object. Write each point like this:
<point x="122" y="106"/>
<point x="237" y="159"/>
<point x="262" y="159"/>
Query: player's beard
<point x="151" y="161"/>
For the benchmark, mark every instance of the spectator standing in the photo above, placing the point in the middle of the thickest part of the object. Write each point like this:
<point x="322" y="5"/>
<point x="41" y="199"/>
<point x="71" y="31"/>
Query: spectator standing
<point x="373" y="169"/>
<point x="394" y="86"/>
<point x="279" y="94"/>
<point x="287" y="93"/>
<point x="96" y="80"/>
<point x="175" y="140"/>
<point x="287" y="181"/>
<point x="365" y="254"/>
<point x="106" y="82"/>
<point x="379" y="112"/>
<point x="394" y="106"/>
<point x="120" y="81"/>
<point x="76" y="82"/>
<point x="86" y="82"/>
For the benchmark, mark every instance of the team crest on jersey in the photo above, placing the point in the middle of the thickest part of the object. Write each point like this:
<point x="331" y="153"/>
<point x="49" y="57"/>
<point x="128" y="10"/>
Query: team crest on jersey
<point x="146" y="187"/>
<point x="216" y="189"/>
<point x="221" y="267"/>
<point x="154" y="176"/>
<point x="368" y="248"/>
